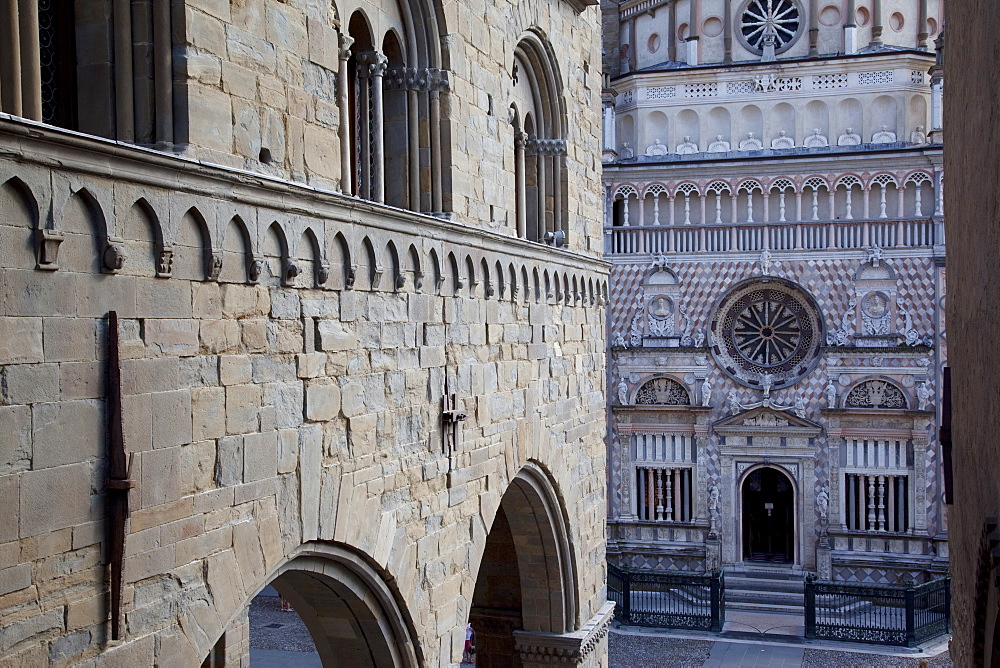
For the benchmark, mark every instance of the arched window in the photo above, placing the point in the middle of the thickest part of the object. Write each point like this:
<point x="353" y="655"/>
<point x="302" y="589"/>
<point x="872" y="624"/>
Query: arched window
<point x="391" y="86"/>
<point x="662" y="392"/>
<point x="106" y="72"/>
<point x="538" y="119"/>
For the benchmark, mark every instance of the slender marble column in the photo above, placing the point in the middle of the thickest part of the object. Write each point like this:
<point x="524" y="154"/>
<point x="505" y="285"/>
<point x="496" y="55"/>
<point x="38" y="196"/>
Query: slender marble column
<point x="376" y="63"/>
<point x="344" y="131"/>
<point x="31" y="69"/>
<point x="413" y="139"/>
<point x="922" y="33"/>
<point x="522" y="227"/>
<point x="876" y="22"/>
<point x="850" y="27"/>
<point x="437" y="193"/>
<point x="727" y="31"/>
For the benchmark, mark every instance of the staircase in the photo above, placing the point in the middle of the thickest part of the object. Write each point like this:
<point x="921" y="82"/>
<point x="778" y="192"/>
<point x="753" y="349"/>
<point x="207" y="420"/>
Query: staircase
<point x="765" y="588"/>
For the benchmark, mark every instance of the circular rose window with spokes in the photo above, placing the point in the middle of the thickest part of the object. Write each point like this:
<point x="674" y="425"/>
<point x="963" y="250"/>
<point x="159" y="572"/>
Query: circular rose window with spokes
<point x="766" y="330"/>
<point x="762" y="20"/>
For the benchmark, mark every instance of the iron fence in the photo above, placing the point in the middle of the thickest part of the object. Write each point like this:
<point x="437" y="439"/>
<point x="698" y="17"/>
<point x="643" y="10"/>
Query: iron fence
<point x="668" y="600"/>
<point x="883" y="614"/>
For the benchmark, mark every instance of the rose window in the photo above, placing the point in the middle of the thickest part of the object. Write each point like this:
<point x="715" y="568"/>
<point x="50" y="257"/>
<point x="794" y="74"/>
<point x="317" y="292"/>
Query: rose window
<point x="766" y="330"/>
<point x="761" y="20"/>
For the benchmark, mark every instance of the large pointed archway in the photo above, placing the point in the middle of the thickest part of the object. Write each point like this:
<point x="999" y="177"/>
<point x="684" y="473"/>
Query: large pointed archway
<point x="355" y="616"/>
<point x="526" y="583"/>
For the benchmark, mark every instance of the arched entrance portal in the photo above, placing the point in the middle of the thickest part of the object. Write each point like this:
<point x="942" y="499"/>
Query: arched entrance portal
<point x="526" y="580"/>
<point x="768" y="505"/>
<point x="353" y="615"/>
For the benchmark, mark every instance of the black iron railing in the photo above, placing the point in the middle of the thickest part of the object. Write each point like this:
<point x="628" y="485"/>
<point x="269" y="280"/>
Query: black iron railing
<point x="669" y="600"/>
<point x="883" y="614"/>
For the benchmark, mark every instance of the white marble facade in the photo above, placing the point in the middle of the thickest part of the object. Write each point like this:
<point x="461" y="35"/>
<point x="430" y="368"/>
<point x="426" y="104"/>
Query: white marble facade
<point x="777" y="286"/>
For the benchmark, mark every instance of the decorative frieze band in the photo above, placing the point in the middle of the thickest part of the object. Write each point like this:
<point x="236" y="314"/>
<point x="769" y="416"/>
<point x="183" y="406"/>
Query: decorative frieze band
<point x="417" y="78"/>
<point x="535" y="146"/>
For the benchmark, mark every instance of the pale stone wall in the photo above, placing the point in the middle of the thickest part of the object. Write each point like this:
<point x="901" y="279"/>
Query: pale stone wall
<point x="263" y="74"/>
<point x="973" y="238"/>
<point x="269" y="407"/>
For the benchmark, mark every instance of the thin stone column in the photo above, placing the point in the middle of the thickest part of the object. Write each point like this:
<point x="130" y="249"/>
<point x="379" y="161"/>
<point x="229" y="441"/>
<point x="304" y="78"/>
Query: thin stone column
<point x="163" y="72"/>
<point x="850" y="27"/>
<point x="727" y="31"/>
<point x="922" y="33"/>
<point x="557" y="158"/>
<point x="124" y="103"/>
<point x="876" y="23"/>
<point x="413" y="141"/>
<point x="10" y="63"/>
<point x="437" y="194"/>
<point x="813" y="28"/>
<point x="522" y="220"/>
<point x="541" y="223"/>
<point x="344" y="131"/>
<point x="31" y="69"/>
<point x="672" y="33"/>
<point x="376" y="63"/>
<point x="692" y="41"/>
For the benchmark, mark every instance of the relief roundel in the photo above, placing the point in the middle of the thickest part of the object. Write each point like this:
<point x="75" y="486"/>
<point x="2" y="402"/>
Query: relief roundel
<point x="766" y="331"/>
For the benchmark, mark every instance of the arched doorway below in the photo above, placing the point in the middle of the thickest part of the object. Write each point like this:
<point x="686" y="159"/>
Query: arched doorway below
<point x="526" y="583"/>
<point x="768" y="517"/>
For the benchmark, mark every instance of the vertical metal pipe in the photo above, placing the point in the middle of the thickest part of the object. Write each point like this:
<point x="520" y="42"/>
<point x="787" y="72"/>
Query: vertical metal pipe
<point x="163" y="72"/>
<point x="124" y="109"/>
<point x="10" y="62"/>
<point x="31" y="69"/>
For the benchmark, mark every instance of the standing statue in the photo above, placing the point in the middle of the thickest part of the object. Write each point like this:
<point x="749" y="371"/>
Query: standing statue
<point x="713" y="511"/>
<point x="733" y="402"/>
<point x="706" y="393"/>
<point x="800" y="407"/>
<point x="623" y="392"/>
<point x="923" y="396"/>
<point x="823" y="505"/>
<point x="831" y="395"/>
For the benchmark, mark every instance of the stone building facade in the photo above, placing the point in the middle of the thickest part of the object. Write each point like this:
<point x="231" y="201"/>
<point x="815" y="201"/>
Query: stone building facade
<point x="358" y="349"/>
<point x="775" y="226"/>
<point x="973" y="243"/>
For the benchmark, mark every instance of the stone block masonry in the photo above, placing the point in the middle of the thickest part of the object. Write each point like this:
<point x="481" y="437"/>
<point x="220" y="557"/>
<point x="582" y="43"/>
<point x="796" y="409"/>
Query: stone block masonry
<point x="285" y="351"/>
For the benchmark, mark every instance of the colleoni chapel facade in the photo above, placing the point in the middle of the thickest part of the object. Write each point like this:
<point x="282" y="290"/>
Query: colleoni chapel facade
<point x="773" y="216"/>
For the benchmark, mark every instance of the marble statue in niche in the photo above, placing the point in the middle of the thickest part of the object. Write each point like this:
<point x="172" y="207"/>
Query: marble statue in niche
<point x="687" y="147"/>
<point x="849" y="138"/>
<point x="815" y="140"/>
<point x="718" y="146"/>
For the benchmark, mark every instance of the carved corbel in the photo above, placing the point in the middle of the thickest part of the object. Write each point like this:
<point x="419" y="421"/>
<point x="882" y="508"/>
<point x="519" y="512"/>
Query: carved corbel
<point x="323" y="274"/>
<point x="418" y="280"/>
<point x="165" y="261"/>
<point x="400" y="281"/>
<point x="215" y="265"/>
<point x="350" y="277"/>
<point x="490" y="291"/>
<point x="113" y="258"/>
<point x="291" y="271"/>
<point x="254" y="268"/>
<point x="377" y="277"/>
<point x="48" y="248"/>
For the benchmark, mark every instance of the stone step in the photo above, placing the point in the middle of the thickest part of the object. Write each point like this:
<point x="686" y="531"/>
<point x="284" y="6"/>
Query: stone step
<point x="764" y="607"/>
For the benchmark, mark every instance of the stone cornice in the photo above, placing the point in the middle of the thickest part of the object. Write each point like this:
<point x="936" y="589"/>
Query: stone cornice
<point x="45" y="146"/>
<point x="572" y="648"/>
